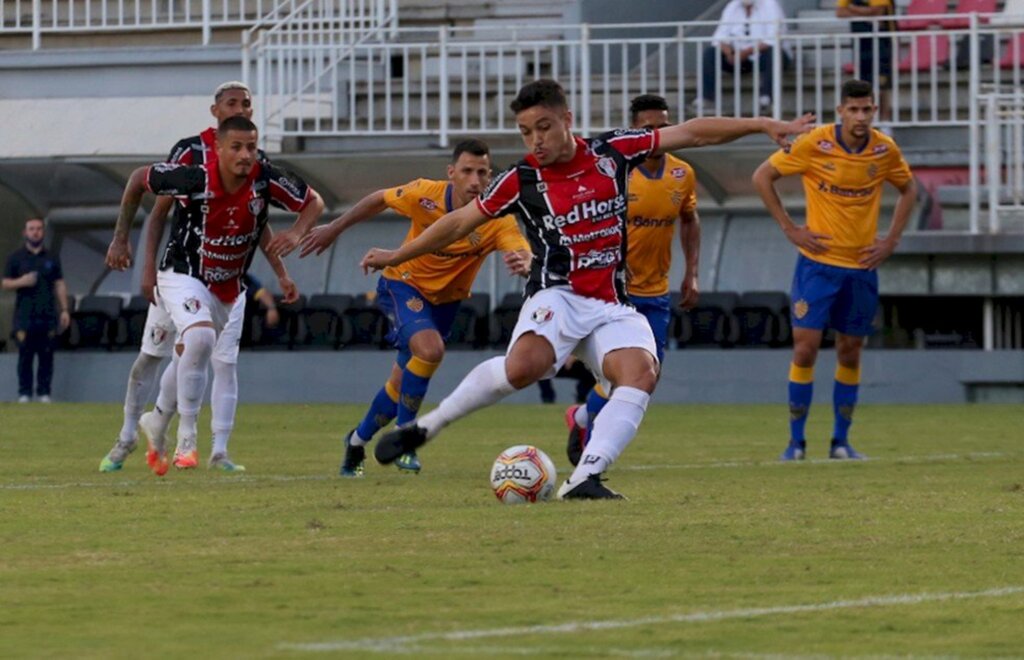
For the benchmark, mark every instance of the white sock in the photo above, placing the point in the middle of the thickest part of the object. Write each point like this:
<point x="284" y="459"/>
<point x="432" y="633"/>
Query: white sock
<point x="614" y="428"/>
<point x="195" y="359"/>
<point x="141" y="380"/>
<point x="356" y="441"/>
<point x="581" y="416"/>
<point x="224" y="402"/>
<point x="167" y="398"/>
<point x="486" y="384"/>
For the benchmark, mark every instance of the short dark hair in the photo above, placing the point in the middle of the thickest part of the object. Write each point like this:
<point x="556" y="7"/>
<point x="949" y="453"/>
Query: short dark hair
<point x="646" y="102"/>
<point x="855" y="89"/>
<point x="236" y="123"/>
<point x="543" y="92"/>
<point x="470" y="146"/>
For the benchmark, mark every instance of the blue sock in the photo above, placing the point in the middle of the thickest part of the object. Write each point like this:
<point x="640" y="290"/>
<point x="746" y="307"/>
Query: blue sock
<point x="382" y="410"/>
<point x="801" y="392"/>
<point x="595" y="402"/>
<point x="844" y="400"/>
<point x="415" y="380"/>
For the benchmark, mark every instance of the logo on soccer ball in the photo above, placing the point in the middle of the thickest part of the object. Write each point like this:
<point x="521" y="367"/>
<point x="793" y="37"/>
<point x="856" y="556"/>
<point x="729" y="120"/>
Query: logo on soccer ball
<point x="825" y="145"/>
<point x="679" y="172"/>
<point x="192" y="305"/>
<point x="607" y="167"/>
<point x="256" y="205"/>
<point x="800" y="308"/>
<point x="158" y="335"/>
<point x="542" y="315"/>
<point x="415" y="304"/>
<point x="428" y="204"/>
<point x="523" y="474"/>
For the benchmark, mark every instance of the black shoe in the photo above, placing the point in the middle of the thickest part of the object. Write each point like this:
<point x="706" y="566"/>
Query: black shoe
<point x="577" y="436"/>
<point x="352" y="464"/>
<point x="590" y="488"/>
<point x="399" y="441"/>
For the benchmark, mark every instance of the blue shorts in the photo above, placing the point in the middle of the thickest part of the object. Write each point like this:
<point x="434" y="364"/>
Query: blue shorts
<point x="409" y="312"/>
<point x="844" y="299"/>
<point x="657" y="311"/>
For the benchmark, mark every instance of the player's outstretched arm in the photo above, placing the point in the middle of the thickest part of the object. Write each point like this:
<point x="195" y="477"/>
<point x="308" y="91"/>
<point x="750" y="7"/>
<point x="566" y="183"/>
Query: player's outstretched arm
<point x="119" y="254"/>
<point x="286" y="241"/>
<point x="320" y="238"/>
<point x="446" y="230"/>
<point x="705" y="131"/>
<point x="873" y="255"/>
<point x="764" y="181"/>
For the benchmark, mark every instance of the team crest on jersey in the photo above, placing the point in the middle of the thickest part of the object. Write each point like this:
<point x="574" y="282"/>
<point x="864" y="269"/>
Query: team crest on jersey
<point x="800" y="308"/>
<point x="825" y="145"/>
<point x="607" y="167"/>
<point x="872" y="170"/>
<point x="158" y="335"/>
<point x="256" y="205"/>
<point x="192" y="305"/>
<point x="415" y="304"/>
<point x="880" y="149"/>
<point x="428" y="204"/>
<point x="474" y="238"/>
<point x="679" y="172"/>
<point x="542" y="315"/>
<point x="829" y="166"/>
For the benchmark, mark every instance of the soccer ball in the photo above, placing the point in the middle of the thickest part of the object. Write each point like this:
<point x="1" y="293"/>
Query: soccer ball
<point x="523" y="474"/>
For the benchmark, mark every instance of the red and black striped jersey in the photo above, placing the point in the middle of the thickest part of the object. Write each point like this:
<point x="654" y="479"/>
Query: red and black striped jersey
<point x="217" y="232"/>
<point x="574" y="213"/>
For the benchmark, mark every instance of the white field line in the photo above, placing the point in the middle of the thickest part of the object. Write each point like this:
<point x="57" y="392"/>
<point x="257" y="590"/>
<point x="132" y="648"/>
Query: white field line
<point x="403" y="643"/>
<point x="710" y="465"/>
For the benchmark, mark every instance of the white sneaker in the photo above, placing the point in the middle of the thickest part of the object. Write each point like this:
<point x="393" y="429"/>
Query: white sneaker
<point x="45" y="399"/>
<point x="24" y="399"/>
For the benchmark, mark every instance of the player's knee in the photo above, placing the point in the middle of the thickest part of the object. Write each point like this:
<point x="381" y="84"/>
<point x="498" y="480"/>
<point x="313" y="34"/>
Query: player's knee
<point x="523" y="372"/>
<point x="199" y="341"/>
<point x="804" y="354"/>
<point x="144" y="367"/>
<point x="431" y="352"/>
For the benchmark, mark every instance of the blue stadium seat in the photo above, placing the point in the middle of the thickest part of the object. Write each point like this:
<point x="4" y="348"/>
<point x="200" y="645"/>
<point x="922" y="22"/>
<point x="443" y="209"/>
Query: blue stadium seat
<point x="282" y="336"/>
<point x="94" y="323"/>
<point x="763" y="319"/>
<point x="710" y="323"/>
<point x="471" y="328"/>
<point x="369" y="327"/>
<point x="323" y="324"/>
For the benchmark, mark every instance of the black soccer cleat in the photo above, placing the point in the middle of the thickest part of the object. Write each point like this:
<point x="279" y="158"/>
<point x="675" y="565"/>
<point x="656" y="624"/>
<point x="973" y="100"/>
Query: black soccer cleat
<point x="352" y="464"/>
<point x="399" y="441"/>
<point x="590" y="488"/>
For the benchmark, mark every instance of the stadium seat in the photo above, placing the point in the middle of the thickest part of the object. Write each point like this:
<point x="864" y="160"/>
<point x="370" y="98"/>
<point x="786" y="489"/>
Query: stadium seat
<point x="505" y="316"/>
<point x="282" y="336"/>
<point x="471" y="328"/>
<point x="918" y="8"/>
<point x="763" y="319"/>
<point x="710" y="323"/>
<point x="932" y="51"/>
<point x="133" y="323"/>
<point x="1013" y="53"/>
<point x="322" y="323"/>
<point x="369" y="327"/>
<point x="94" y="322"/>
<point x="968" y="7"/>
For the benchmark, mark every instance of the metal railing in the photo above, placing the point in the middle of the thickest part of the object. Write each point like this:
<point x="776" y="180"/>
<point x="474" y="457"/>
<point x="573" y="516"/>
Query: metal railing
<point x="1004" y="160"/>
<point x="40" y="18"/>
<point x="449" y="81"/>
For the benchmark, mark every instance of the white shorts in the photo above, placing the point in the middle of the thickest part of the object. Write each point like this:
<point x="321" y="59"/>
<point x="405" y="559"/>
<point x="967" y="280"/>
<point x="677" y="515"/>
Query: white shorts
<point x="159" y="335"/>
<point x="188" y="301"/>
<point x="586" y="327"/>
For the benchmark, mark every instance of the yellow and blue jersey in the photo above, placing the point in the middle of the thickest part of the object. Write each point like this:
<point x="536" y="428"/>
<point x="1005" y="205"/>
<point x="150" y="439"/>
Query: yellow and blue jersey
<point x="843" y="188"/>
<point x="445" y="275"/>
<point x="656" y="199"/>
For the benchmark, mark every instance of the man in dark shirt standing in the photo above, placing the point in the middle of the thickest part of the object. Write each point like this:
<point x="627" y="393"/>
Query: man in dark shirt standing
<point x="40" y="311"/>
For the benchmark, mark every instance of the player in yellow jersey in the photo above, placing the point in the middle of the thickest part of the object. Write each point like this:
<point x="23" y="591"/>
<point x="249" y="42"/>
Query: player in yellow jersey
<point x="844" y="167"/>
<point x="420" y="297"/>
<point x="661" y="191"/>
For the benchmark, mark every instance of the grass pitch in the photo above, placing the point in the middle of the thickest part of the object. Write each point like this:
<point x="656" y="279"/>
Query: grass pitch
<point x="720" y="552"/>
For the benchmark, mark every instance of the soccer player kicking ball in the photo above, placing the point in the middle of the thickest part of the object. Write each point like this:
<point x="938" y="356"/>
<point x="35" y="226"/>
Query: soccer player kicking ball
<point x="212" y="244"/>
<point x="836" y="284"/>
<point x="661" y="190"/>
<point x="230" y="99"/>
<point x="571" y="195"/>
<point x="420" y="297"/>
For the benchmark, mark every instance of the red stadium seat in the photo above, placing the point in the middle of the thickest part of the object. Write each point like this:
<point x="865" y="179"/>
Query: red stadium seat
<point x="1013" y="56"/>
<point x="932" y="50"/>
<point x="923" y="8"/>
<point x="968" y="7"/>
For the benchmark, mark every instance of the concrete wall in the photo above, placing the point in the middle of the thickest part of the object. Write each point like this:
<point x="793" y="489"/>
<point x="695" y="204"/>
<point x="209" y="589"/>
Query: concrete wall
<point x="690" y="376"/>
